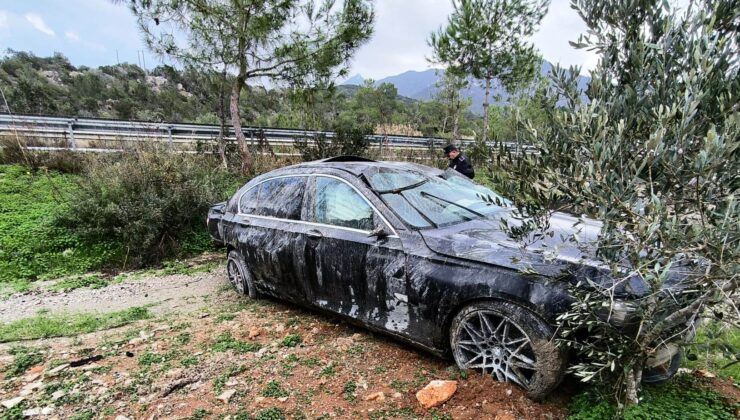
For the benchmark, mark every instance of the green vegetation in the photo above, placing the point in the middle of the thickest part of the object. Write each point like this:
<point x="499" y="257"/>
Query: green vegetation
<point x="46" y="325"/>
<point x="275" y="390"/>
<point x="226" y="342"/>
<point x="23" y="358"/>
<point x="32" y="245"/>
<point x="92" y="281"/>
<point x="350" y="388"/>
<point x="291" y="340"/>
<point x="273" y="413"/>
<point x="684" y="397"/>
<point x="716" y="349"/>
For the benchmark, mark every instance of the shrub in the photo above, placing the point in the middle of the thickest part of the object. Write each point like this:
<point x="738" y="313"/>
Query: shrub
<point x="348" y="140"/>
<point x="149" y="201"/>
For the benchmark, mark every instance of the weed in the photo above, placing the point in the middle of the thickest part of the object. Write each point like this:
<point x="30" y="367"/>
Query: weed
<point x="329" y="370"/>
<point x="356" y="350"/>
<point x="225" y="342"/>
<point x="23" y="358"/>
<point x="149" y="358"/>
<point x="183" y="338"/>
<point x="310" y="362"/>
<point x="199" y="414"/>
<point x="393" y="413"/>
<point x="49" y="325"/>
<point x="189" y="361"/>
<point x="683" y="397"/>
<point x="350" y="387"/>
<point x="273" y="413"/>
<point x="380" y="369"/>
<point x="400" y="386"/>
<point x="291" y="340"/>
<point x="83" y="415"/>
<point x="292" y="321"/>
<point x="275" y="390"/>
<point x="220" y="381"/>
<point x="225" y="317"/>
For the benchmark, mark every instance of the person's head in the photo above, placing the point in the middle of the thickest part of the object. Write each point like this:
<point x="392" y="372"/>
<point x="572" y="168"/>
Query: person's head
<point x="451" y="151"/>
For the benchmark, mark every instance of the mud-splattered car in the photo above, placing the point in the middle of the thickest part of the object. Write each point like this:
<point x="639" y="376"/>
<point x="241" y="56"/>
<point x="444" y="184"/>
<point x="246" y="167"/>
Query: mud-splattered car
<point x="416" y="253"/>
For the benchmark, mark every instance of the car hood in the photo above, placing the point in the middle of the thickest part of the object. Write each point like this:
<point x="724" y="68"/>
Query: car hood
<point x="484" y="240"/>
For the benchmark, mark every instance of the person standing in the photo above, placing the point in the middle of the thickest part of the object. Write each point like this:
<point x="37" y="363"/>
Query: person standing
<point x="458" y="161"/>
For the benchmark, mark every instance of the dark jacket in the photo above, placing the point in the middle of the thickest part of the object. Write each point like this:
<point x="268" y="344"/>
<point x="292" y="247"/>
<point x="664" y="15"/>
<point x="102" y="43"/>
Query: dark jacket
<point x="462" y="165"/>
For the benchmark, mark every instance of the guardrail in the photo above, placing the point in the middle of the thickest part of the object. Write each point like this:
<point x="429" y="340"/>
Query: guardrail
<point x="98" y="135"/>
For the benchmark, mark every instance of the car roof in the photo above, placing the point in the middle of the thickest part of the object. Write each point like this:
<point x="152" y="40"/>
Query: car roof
<point x="357" y="165"/>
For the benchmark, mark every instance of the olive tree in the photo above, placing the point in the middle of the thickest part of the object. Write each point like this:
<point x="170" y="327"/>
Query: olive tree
<point x="489" y="40"/>
<point x="302" y="42"/>
<point x="654" y="155"/>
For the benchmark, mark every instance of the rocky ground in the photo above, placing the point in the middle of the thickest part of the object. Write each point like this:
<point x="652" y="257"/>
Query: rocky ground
<point x="210" y="353"/>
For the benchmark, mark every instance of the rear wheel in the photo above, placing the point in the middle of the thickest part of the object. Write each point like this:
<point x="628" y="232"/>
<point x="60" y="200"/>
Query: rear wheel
<point x="510" y="343"/>
<point x="239" y="275"/>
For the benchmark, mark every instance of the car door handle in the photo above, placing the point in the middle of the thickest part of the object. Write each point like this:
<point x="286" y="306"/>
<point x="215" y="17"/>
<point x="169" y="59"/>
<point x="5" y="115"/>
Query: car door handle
<point x="314" y="234"/>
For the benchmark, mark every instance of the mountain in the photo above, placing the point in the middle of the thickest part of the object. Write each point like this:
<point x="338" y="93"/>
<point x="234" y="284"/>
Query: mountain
<point x="422" y="85"/>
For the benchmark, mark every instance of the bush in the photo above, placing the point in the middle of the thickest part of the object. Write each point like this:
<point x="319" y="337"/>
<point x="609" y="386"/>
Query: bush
<point x="149" y="201"/>
<point x="348" y="140"/>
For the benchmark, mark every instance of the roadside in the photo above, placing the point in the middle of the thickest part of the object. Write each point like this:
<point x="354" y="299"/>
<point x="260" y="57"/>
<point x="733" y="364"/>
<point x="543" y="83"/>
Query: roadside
<point x="193" y="348"/>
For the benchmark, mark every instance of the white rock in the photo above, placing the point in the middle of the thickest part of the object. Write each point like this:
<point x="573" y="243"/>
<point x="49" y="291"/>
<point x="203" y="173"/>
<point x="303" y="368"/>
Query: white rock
<point x="47" y="411"/>
<point x="57" y="369"/>
<point x="57" y="394"/>
<point x="31" y="412"/>
<point x="120" y="417"/>
<point x="226" y="395"/>
<point x="12" y="402"/>
<point x="31" y="377"/>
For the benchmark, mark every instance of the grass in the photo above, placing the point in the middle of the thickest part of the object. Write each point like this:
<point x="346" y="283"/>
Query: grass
<point x="93" y="281"/>
<point x="32" y="246"/>
<point x="683" y="397"/>
<point x="274" y="390"/>
<point x="716" y="349"/>
<point x="62" y="325"/>
<point x="23" y="359"/>
<point x="291" y="340"/>
<point x="226" y="342"/>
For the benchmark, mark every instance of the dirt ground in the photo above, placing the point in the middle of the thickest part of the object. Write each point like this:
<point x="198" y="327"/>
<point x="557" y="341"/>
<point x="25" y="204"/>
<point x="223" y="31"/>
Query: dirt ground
<point x="210" y="353"/>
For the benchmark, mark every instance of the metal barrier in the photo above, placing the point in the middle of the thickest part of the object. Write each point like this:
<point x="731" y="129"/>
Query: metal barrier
<point x="85" y="133"/>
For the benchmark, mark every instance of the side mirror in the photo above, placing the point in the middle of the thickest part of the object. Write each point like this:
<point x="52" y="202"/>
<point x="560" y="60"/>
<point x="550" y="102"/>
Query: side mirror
<point x="380" y="233"/>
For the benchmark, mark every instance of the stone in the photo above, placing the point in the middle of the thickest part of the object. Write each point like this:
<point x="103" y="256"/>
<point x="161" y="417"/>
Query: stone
<point x="12" y="402"/>
<point x="31" y="412"/>
<point x="254" y="332"/>
<point x="58" y="369"/>
<point x="397" y="395"/>
<point x="121" y="417"/>
<point x="504" y="415"/>
<point x="47" y="411"/>
<point x="226" y="395"/>
<point x="282" y="399"/>
<point x="31" y="377"/>
<point x="436" y="393"/>
<point x="375" y="396"/>
<point x="57" y="394"/>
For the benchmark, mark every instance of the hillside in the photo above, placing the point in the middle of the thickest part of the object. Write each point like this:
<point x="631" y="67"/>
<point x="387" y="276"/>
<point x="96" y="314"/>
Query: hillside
<point x="422" y="85"/>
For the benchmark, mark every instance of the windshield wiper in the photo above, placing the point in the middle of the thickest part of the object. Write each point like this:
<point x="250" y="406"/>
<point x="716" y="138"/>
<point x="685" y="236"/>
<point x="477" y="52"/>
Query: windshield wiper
<point x="424" y="193"/>
<point x="404" y="188"/>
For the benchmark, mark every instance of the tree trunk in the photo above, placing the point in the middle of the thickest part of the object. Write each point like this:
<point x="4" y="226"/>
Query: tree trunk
<point x="244" y="151"/>
<point x="222" y="119"/>
<point x="485" y="110"/>
<point x="456" y="123"/>
<point x="632" y="385"/>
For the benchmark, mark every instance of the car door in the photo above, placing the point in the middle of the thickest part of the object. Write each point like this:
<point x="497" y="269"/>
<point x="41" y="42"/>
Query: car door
<point x="271" y="235"/>
<point x="356" y="274"/>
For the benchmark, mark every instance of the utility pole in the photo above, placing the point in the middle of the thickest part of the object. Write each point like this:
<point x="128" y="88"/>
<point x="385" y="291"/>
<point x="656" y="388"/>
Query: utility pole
<point x="117" y="60"/>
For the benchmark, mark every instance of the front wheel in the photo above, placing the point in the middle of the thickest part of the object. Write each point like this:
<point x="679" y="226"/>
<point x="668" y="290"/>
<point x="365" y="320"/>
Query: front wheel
<point x="239" y="275"/>
<point x="510" y="343"/>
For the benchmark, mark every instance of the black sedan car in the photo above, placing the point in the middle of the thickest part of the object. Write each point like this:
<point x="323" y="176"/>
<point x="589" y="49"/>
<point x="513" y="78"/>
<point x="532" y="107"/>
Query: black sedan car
<point x="414" y="252"/>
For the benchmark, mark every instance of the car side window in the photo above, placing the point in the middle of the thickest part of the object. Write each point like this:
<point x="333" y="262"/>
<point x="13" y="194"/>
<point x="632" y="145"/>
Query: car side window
<point x="338" y="204"/>
<point x="248" y="200"/>
<point x="281" y="198"/>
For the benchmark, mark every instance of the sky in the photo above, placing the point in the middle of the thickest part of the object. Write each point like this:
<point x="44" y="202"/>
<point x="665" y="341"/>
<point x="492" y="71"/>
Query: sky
<point x="99" y="32"/>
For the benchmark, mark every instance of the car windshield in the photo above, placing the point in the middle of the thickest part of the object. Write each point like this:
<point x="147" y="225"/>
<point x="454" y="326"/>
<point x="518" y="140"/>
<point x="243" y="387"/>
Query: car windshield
<point x="425" y="201"/>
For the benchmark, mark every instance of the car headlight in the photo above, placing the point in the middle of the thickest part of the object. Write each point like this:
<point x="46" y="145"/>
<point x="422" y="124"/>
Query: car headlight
<point x="617" y="312"/>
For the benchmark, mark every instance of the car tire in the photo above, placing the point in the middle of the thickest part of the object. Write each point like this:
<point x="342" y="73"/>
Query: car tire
<point x="661" y="374"/>
<point x="239" y="275"/>
<point x="510" y="343"/>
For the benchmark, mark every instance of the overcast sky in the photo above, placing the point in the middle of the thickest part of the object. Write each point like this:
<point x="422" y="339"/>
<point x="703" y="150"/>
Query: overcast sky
<point x="91" y="32"/>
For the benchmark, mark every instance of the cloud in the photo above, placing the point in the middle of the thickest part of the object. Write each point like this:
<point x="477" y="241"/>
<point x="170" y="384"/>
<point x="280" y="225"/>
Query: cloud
<point x="72" y="36"/>
<point x="3" y="19"/>
<point x="38" y="23"/>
